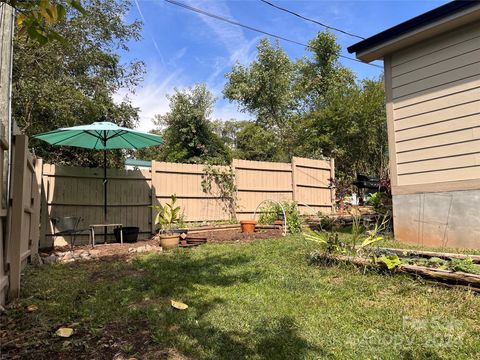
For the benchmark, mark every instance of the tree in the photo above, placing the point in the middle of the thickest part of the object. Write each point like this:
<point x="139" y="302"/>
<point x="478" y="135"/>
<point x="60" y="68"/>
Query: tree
<point x="351" y="128"/>
<point x="72" y="82"/>
<point x="188" y="131"/>
<point x="228" y="130"/>
<point x="253" y="142"/>
<point x="321" y="73"/>
<point x="36" y="17"/>
<point x="265" y="88"/>
<point x="313" y="107"/>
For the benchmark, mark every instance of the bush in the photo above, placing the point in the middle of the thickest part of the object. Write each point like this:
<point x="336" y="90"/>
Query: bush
<point x="272" y="211"/>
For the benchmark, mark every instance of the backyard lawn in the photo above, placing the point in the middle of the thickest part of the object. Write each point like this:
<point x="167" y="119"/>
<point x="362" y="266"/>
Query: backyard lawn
<point x="258" y="300"/>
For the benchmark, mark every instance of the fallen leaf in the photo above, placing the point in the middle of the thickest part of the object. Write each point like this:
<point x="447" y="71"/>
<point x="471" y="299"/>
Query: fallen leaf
<point x="179" y="305"/>
<point x="32" y="308"/>
<point x="64" y="332"/>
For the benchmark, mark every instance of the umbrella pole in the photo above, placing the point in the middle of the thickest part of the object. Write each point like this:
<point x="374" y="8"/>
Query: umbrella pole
<point x="105" y="194"/>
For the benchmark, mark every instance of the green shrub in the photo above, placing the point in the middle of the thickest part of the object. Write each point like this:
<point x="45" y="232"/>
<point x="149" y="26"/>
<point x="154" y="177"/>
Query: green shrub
<point x="272" y="211"/>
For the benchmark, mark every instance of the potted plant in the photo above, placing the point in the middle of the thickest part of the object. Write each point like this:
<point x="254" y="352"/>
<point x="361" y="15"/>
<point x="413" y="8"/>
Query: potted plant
<point x="168" y="218"/>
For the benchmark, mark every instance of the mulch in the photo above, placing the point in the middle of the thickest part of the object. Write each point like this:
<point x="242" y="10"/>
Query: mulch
<point x="118" y="251"/>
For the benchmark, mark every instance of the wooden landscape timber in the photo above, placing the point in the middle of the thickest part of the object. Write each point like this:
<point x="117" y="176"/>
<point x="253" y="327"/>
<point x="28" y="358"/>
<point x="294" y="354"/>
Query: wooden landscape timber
<point x="430" y="254"/>
<point x="450" y="277"/>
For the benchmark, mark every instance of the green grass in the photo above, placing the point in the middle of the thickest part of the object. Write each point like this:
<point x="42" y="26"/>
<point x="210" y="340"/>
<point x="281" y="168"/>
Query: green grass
<point x="258" y="301"/>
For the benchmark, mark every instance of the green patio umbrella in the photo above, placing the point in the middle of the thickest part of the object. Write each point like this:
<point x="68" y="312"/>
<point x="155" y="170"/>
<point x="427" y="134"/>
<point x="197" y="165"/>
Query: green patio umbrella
<point x="101" y="136"/>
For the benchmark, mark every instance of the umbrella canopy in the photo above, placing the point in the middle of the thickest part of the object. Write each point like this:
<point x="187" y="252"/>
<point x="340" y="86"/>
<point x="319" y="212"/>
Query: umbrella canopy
<point x="100" y="136"/>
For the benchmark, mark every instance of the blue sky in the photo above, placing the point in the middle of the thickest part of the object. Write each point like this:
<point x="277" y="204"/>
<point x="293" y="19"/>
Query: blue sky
<point x="181" y="48"/>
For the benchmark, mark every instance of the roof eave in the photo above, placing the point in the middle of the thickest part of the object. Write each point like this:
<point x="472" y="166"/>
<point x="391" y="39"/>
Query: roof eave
<point x="382" y="48"/>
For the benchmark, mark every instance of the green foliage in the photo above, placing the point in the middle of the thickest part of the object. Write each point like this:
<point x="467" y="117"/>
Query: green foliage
<point x="264" y="88"/>
<point x="271" y="211"/>
<point x="357" y="230"/>
<point x="326" y="222"/>
<point x="220" y="182"/>
<point x="188" y="131"/>
<point x="380" y="202"/>
<point x="71" y="83"/>
<point x="35" y="18"/>
<point x="374" y="236"/>
<point x="168" y="215"/>
<point x="312" y="107"/>
<point x="228" y="130"/>
<point x="329" y="241"/>
<point x="391" y="261"/>
<point x="253" y="142"/>
<point x="465" y="265"/>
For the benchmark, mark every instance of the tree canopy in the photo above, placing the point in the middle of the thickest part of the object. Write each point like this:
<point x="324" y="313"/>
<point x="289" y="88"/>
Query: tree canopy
<point x="188" y="130"/>
<point x="313" y="107"/>
<point x="72" y="82"/>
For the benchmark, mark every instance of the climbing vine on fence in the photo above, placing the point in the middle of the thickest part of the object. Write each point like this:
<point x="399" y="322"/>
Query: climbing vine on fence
<point x="224" y="180"/>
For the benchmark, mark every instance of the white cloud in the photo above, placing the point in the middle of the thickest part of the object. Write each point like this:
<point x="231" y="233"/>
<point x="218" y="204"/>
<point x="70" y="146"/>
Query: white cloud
<point x="151" y="96"/>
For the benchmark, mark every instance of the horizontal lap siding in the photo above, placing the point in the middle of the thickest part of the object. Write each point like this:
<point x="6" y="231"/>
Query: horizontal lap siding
<point x="436" y="108"/>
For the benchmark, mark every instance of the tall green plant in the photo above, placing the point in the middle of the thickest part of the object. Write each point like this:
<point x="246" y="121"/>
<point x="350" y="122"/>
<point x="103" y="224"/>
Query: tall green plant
<point x="168" y="216"/>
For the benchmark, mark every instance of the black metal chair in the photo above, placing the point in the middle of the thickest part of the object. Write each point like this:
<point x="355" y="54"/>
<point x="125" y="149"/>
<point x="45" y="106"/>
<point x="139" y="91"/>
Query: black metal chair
<point x="67" y="226"/>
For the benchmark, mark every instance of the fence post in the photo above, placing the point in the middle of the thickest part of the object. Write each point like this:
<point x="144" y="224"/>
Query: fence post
<point x="36" y="196"/>
<point x="332" y="189"/>
<point x="44" y="214"/>
<point x="17" y="213"/>
<point x="294" y="179"/>
<point x="153" y="195"/>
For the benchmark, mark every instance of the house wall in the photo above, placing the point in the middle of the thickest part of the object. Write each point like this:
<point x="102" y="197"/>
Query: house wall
<point x="433" y="113"/>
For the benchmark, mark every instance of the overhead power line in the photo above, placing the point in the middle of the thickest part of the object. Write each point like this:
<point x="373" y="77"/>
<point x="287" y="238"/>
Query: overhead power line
<point x="311" y="20"/>
<point x="221" y="18"/>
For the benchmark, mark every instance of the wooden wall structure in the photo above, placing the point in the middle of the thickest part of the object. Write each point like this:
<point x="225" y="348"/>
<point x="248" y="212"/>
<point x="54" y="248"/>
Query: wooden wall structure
<point x="79" y="192"/>
<point x="19" y="179"/>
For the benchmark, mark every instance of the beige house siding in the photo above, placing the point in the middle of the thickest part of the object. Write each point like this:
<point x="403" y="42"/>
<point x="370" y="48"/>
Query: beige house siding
<point x="433" y="105"/>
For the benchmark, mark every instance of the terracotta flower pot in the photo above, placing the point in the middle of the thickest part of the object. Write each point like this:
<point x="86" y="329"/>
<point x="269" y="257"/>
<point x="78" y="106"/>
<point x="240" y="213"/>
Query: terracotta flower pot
<point x="248" y="226"/>
<point x="168" y="242"/>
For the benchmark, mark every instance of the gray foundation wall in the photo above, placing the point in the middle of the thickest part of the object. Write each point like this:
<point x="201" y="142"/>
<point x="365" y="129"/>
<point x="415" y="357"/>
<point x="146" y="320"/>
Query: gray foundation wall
<point x="446" y="219"/>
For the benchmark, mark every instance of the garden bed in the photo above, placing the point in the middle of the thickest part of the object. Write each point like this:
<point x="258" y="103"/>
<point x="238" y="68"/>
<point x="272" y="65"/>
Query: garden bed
<point x="453" y="269"/>
<point x="212" y="234"/>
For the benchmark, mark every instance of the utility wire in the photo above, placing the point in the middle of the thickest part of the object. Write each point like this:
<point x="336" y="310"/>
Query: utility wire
<point x="221" y="18"/>
<point x="311" y="20"/>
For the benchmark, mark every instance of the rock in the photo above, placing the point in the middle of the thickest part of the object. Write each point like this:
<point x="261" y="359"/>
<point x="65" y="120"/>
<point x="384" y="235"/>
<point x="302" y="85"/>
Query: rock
<point x="84" y="256"/>
<point x="51" y="259"/>
<point x="67" y="256"/>
<point x="37" y="260"/>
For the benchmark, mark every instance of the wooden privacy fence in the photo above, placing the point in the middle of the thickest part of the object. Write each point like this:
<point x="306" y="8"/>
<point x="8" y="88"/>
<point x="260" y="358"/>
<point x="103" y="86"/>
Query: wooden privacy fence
<point x="21" y="214"/>
<point x="79" y="191"/>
